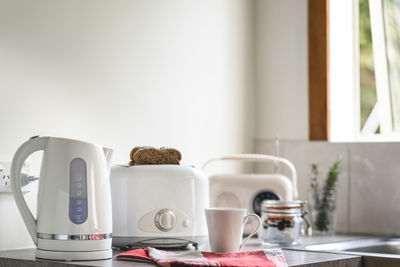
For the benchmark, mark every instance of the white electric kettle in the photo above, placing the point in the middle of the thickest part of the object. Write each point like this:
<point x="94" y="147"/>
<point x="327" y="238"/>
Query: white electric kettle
<point x="74" y="217"/>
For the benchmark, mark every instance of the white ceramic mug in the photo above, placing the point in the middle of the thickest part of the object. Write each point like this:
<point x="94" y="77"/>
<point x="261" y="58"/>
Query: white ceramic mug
<point x="225" y="228"/>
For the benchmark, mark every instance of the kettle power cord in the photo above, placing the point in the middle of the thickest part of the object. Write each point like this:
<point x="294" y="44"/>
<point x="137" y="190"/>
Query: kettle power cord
<point x="26" y="179"/>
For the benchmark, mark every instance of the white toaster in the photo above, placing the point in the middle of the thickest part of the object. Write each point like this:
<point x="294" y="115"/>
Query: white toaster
<point x="250" y="190"/>
<point x="158" y="205"/>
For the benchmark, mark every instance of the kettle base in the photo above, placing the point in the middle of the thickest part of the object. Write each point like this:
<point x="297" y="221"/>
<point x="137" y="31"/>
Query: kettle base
<point x="74" y="255"/>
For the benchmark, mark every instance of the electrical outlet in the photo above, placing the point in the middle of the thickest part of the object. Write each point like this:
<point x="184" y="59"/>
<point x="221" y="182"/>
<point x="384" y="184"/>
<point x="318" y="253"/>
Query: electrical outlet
<point x="5" y="186"/>
<point x="4" y="178"/>
<point x="5" y="183"/>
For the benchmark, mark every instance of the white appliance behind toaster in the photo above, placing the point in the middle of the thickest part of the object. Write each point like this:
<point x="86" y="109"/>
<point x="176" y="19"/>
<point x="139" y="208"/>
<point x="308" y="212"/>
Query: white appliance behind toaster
<point x="250" y="190"/>
<point x="164" y="203"/>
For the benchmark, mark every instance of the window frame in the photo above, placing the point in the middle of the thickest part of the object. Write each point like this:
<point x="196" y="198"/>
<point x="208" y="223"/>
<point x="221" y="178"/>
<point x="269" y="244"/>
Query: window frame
<point x="319" y="100"/>
<point x="318" y="69"/>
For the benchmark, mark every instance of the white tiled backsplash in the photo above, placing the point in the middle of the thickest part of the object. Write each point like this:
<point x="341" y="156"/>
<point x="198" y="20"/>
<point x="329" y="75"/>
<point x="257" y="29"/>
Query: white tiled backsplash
<point x="369" y="182"/>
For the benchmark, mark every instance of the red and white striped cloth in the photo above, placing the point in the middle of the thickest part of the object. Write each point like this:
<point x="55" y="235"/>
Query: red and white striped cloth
<point x="261" y="258"/>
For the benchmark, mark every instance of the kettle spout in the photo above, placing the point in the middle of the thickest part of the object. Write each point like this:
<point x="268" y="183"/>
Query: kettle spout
<point x="108" y="152"/>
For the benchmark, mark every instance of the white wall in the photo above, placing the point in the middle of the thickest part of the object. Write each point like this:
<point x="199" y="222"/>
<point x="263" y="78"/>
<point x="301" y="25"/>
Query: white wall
<point x="126" y="73"/>
<point x="281" y="69"/>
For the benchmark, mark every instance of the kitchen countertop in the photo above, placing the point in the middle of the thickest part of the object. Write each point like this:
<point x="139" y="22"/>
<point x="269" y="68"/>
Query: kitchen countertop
<point x="26" y="257"/>
<point x="294" y="257"/>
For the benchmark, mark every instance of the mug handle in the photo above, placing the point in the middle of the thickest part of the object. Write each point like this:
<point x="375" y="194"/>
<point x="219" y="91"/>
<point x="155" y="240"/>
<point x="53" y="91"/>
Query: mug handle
<point x="252" y="233"/>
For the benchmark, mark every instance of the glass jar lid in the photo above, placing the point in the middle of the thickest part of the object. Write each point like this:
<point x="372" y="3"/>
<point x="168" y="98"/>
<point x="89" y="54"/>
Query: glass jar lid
<point x="283" y="206"/>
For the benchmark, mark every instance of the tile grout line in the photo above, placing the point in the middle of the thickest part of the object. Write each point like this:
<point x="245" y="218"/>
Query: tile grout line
<point x="349" y="187"/>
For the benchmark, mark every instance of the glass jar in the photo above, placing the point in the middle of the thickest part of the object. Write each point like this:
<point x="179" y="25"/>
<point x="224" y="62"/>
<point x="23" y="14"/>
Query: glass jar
<point x="281" y="222"/>
<point x="323" y="212"/>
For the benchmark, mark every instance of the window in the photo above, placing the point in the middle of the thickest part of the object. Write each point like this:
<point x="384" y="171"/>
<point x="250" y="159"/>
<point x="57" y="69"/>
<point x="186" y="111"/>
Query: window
<point x="364" y="70"/>
<point x="379" y="73"/>
<point x="368" y="99"/>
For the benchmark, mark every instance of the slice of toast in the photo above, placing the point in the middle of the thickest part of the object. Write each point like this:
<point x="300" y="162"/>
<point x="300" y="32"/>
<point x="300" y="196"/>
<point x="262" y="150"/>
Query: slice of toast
<point x="151" y="156"/>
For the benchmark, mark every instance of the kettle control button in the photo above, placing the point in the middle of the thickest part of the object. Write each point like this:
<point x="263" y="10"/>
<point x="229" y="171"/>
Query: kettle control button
<point x="165" y="220"/>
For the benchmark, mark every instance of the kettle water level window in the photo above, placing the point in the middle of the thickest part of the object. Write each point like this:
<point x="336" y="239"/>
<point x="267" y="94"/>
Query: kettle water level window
<point x="364" y="53"/>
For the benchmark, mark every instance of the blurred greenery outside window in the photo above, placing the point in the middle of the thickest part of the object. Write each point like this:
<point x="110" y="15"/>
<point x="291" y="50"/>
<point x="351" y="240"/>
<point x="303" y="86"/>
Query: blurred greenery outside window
<point x="379" y="36"/>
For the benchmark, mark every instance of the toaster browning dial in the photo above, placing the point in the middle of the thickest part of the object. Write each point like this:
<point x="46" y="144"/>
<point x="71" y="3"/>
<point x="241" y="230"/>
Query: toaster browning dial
<point x="165" y="220"/>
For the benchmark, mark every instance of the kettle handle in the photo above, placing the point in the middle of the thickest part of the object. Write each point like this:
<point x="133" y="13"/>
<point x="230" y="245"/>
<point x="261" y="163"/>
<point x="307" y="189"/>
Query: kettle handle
<point x="261" y="158"/>
<point x="32" y="145"/>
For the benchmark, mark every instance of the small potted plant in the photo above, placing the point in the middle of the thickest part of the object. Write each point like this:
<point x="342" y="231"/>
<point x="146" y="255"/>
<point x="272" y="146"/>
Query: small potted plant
<point x="323" y="199"/>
